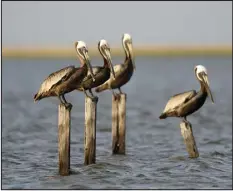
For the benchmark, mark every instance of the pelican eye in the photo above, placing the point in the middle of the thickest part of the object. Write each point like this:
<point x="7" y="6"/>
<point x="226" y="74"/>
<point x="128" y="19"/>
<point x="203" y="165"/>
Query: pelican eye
<point x="201" y="74"/>
<point x="105" y="47"/>
<point x="84" y="49"/>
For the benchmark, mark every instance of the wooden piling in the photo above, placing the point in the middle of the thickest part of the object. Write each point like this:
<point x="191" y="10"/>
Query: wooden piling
<point x="64" y="139"/>
<point x="90" y="131"/>
<point x="118" y="123"/>
<point x="187" y="133"/>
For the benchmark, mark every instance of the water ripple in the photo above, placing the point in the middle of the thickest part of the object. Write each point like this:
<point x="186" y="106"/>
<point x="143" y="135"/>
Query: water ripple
<point x="156" y="155"/>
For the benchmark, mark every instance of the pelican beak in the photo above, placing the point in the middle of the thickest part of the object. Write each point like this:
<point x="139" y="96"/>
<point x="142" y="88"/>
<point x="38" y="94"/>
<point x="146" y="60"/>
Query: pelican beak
<point x="88" y="63"/>
<point x="109" y="60"/>
<point x="132" y="55"/>
<point x="207" y="86"/>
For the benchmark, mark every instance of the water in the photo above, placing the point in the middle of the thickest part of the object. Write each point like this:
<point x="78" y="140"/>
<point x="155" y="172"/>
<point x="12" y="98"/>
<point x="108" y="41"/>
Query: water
<point x="156" y="155"/>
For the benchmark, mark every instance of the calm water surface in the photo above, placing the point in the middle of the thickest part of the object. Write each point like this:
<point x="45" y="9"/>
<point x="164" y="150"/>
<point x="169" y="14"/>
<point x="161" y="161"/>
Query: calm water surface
<point x="156" y="155"/>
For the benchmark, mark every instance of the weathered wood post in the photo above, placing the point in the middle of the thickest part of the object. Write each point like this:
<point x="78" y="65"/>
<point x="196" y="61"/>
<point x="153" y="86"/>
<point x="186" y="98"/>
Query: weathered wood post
<point x="118" y="123"/>
<point x="64" y="139"/>
<point x="90" y="131"/>
<point x="187" y="133"/>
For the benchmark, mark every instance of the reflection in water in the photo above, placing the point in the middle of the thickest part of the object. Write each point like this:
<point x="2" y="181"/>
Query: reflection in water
<point x="156" y="155"/>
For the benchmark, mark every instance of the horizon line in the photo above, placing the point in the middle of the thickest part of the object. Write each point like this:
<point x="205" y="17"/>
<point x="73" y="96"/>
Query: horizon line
<point x="142" y="50"/>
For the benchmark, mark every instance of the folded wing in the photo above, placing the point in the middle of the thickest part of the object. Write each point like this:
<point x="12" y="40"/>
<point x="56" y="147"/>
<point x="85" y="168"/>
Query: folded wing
<point x="55" y="78"/>
<point x="179" y="99"/>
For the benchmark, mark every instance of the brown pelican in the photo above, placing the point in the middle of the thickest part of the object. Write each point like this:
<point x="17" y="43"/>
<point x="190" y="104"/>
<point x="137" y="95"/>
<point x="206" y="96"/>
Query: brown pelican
<point x="67" y="79"/>
<point x="101" y="73"/>
<point x="184" y="104"/>
<point x="123" y="72"/>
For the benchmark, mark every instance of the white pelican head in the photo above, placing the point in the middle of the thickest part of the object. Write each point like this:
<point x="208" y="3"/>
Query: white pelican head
<point x="104" y="50"/>
<point x="81" y="48"/>
<point x="202" y="76"/>
<point x="127" y="37"/>
<point x="81" y="44"/>
<point x="128" y="46"/>
<point x="82" y="51"/>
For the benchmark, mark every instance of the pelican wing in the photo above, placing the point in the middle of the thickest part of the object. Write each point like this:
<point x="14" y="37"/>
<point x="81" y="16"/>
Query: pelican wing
<point x="178" y="99"/>
<point x="118" y="69"/>
<point x="55" y="77"/>
<point x="95" y="70"/>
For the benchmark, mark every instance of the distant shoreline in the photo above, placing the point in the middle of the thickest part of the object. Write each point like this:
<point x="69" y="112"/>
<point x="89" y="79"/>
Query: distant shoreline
<point x="59" y="52"/>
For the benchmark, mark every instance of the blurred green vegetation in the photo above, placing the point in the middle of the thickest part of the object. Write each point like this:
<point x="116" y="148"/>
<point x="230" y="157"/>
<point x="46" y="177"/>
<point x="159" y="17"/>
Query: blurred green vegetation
<point x="59" y="52"/>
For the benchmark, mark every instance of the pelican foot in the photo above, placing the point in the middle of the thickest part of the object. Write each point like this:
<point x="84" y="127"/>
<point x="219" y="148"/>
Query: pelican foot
<point x="116" y="96"/>
<point x="68" y="106"/>
<point x="94" y="99"/>
<point x="186" y="122"/>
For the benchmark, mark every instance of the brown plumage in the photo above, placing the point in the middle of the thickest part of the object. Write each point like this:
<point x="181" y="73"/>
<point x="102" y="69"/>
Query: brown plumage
<point x="67" y="79"/>
<point x="175" y="101"/>
<point x="101" y="73"/>
<point x="52" y="81"/>
<point x="186" y="103"/>
<point x="123" y="72"/>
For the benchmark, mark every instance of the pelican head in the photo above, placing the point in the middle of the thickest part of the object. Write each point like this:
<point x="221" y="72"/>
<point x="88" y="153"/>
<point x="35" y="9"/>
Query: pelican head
<point x="128" y="46"/>
<point x="82" y="52"/>
<point x="104" y="50"/>
<point x="201" y="74"/>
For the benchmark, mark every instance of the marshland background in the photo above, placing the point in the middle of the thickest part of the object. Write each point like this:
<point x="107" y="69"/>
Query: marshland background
<point x="169" y="39"/>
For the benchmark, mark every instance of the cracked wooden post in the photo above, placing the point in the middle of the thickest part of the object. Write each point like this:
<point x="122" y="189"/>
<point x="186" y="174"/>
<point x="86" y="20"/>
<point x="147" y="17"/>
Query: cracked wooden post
<point x="187" y="133"/>
<point x="118" y="123"/>
<point x="64" y="139"/>
<point x="90" y="131"/>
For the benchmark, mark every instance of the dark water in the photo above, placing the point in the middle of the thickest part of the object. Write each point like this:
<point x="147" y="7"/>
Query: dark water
<point x="156" y="155"/>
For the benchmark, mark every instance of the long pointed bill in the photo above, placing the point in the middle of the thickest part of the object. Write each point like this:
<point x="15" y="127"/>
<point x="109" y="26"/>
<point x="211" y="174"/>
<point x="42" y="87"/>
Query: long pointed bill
<point x="108" y="55"/>
<point x="132" y="55"/>
<point x="207" y="86"/>
<point x="88" y="63"/>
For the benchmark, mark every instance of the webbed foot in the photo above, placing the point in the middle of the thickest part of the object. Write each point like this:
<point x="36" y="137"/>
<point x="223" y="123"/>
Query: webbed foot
<point x="94" y="99"/>
<point x="68" y="106"/>
<point x="186" y="121"/>
<point x="117" y="96"/>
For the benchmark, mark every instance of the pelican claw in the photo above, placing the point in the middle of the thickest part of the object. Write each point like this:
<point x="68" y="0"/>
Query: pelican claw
<point x="94" y="99"/>
<point x="68" y="106"/>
